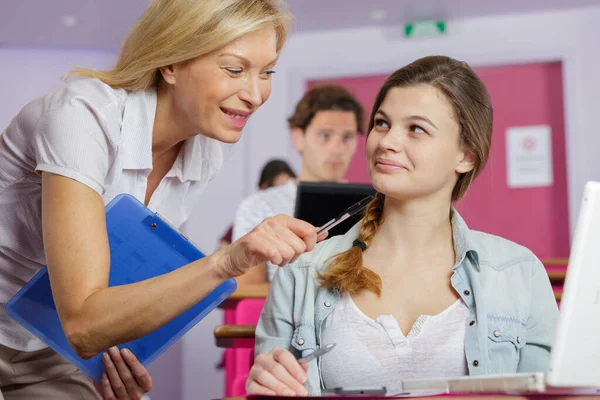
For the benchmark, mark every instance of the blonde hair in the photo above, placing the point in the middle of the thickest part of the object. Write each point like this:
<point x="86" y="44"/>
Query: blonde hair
<point x="472" y="108"/>
<point x="174" y="31"/>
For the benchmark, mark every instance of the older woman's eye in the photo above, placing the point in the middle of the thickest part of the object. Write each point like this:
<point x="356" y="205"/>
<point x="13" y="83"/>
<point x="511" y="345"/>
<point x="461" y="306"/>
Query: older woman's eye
<point x="234" y="71"/>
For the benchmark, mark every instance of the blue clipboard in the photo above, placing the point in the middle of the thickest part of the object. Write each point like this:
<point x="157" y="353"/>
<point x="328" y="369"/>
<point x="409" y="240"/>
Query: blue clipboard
<point x="142" y="246"/>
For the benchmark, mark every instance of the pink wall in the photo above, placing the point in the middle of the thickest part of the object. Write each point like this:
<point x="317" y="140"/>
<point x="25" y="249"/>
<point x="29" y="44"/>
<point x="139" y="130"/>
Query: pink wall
<point x="527" y="94"/>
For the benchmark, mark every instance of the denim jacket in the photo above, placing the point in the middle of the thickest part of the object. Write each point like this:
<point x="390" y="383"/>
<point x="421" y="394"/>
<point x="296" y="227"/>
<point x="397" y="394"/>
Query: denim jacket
<point x="513" y="312"/>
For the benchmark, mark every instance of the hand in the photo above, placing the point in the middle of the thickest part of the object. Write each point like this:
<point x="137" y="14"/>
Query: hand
<point x="280" y="240"/>
<point x="118" y="381"/>
<point x="277" y="373"/>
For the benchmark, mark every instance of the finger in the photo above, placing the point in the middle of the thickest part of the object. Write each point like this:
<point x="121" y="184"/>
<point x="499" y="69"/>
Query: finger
<point x="284" y="250"/>
<point x="265" y="378"/>
<point x="115" y="381"/>
<point x="288" y="236"/>
<point x="300" y="228"/>
<point x="258" y="247"/>
<point x="283" y="375"/>
<point x="311" y="240"/>
<point x="263" y="249"/>
<point x="140" y="373"/>
<point x="127" y="378"/>
<point x="287" y="359"/>
<point x="254" y="387"/>
<point x="107" y="391"/>
<point x="323" y="236"/>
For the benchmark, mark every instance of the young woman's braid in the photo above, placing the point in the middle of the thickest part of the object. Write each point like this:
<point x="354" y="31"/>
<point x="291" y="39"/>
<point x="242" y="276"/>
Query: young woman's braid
<point x="346" y="271"/>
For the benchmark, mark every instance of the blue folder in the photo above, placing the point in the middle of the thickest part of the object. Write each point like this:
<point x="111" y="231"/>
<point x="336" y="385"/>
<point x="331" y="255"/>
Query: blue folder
<point x="142" y="245"/>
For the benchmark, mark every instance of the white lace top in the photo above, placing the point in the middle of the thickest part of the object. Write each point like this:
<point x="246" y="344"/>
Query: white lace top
<point x="376" y="353"/>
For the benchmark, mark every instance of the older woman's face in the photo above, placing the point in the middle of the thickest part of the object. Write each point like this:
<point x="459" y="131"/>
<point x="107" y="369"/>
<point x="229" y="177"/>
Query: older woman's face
<point x="216" y="93"/>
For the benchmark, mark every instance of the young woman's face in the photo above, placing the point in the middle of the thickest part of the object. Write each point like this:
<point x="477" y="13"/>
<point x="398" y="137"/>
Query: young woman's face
<point x="216" y="93"/>
<point x="414" y="147"/>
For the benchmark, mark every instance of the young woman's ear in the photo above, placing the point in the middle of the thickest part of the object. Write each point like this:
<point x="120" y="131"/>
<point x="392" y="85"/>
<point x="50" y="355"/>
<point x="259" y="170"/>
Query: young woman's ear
<point x="467" y="163"/>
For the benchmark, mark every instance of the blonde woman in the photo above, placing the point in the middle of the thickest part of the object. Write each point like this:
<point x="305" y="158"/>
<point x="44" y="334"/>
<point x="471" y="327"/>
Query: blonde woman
<point x="189" y="76"/>
<point x="411" y="291"/>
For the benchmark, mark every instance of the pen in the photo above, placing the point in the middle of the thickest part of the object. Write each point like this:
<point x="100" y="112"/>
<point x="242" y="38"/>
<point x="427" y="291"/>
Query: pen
<point x="350" y="211"/>
<point x="316" y="354"/>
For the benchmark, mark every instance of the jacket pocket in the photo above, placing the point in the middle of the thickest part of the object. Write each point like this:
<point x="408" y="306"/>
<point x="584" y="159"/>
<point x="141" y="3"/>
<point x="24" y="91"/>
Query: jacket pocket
<point x="506" y="337"/>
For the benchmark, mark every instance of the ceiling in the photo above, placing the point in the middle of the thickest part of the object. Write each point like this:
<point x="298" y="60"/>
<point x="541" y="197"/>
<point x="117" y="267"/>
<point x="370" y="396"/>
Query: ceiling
<point x="102" y="24"/>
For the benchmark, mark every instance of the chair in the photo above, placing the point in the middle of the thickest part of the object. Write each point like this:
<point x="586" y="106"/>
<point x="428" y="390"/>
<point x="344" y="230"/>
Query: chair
<point x="242" y="311"/>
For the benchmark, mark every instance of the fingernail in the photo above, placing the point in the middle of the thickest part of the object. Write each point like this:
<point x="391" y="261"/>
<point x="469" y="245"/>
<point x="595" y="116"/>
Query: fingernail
<point x="104" y="377"/>
<point x="303" y="392"/>
<point x="289" y="393"/>
<point x="125" y="352"/>
<point x="106" y="357"/>
<point x="301" y="378"/>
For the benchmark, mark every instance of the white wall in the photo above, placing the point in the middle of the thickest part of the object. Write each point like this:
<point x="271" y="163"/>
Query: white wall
<point x="29" y="73"/>
<point x="568" y="35"/>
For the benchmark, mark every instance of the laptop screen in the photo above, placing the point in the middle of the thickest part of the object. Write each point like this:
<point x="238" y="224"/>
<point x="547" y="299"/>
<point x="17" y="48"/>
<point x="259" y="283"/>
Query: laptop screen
<point x="319" y="202"/>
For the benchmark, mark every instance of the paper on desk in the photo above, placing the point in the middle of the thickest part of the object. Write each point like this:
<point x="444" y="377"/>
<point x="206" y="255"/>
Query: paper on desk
<point x="416" y="393"/>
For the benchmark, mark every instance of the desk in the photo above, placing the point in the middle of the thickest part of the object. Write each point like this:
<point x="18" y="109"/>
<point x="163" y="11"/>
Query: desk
<point x="243" y="292"/>
<point x="238" y="336"/>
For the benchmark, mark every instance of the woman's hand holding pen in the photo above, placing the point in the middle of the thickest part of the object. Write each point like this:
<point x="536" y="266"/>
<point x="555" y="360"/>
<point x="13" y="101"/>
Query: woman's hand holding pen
<point x="277" y="373"/>
<point x="279" y="240"/>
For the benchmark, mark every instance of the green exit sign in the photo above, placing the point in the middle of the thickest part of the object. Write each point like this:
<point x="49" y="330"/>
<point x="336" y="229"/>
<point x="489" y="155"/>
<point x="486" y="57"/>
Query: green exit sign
<point x="425" y="28"/>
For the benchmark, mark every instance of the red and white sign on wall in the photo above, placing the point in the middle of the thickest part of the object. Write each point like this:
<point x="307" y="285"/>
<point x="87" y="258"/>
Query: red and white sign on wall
<point x="529" y="156"/>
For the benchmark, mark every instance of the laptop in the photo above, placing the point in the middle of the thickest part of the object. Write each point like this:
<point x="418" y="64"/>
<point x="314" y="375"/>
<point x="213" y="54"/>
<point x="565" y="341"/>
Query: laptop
<point x="574" y="366"/>
<point x="319" y="202"/>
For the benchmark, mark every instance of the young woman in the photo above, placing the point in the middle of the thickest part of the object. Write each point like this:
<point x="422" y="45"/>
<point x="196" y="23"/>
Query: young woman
<point x="411" y="291"/>
<point x="189" y="76"/>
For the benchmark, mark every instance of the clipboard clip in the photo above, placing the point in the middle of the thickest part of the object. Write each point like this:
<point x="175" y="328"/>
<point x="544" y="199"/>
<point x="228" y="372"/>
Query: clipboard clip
<point x="162" y="219"/>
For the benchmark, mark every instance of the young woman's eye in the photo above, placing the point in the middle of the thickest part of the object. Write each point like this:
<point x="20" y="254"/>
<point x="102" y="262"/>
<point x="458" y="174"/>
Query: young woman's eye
<point x="381" y="122"/>
<point x="324" y="136"/>
<point x="269" y="73"/>
<point x="417" y="129"/>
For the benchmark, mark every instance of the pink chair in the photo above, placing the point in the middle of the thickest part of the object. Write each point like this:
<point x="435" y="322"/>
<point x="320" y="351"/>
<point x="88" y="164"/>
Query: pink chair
<point x="240" y="357"/>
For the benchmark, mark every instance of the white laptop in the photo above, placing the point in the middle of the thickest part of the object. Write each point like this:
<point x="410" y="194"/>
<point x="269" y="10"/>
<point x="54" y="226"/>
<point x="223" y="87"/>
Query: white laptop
<point x="574" y="365"/>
